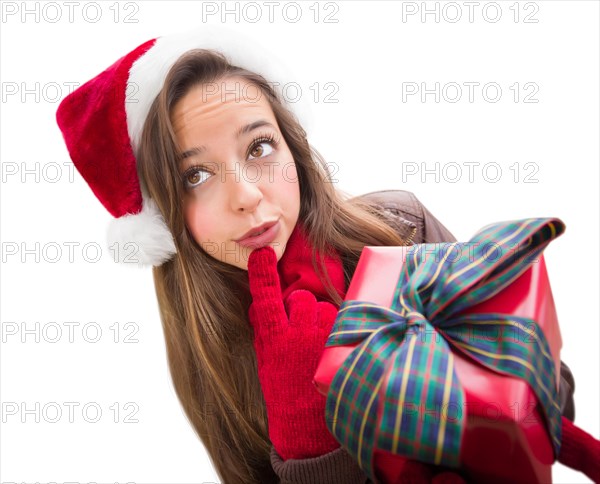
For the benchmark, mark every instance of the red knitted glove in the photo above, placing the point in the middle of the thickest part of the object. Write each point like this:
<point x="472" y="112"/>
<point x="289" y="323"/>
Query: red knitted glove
<point x="288" y="349"/>
<point x="580" y="450"/>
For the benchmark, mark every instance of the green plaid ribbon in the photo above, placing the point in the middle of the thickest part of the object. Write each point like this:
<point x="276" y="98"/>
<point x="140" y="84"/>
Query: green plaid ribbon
<point x="411" y="341"/>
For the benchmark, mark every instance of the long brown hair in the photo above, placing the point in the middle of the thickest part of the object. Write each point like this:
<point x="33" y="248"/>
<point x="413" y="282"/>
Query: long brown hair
<point x="203" y="302"/>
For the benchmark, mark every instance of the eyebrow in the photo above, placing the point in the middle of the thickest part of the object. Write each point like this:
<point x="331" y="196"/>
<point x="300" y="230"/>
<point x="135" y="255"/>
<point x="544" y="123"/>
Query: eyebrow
<point x="242" y="131"/>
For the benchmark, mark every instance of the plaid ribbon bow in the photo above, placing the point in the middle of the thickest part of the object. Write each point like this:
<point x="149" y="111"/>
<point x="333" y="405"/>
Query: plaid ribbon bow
<point x="403" y="343"/>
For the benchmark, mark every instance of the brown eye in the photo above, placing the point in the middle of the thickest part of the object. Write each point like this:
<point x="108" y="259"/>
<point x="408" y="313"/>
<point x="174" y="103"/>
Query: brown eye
<point x="195" y="176"/>
<point x="257" y="151"/>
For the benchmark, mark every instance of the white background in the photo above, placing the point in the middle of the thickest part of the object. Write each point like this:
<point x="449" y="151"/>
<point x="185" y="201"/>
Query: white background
<point x="371" y="135"/>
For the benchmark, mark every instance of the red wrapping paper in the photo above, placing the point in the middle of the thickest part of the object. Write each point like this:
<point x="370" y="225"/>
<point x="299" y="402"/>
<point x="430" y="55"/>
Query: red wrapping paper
<point x="505" y="439"/>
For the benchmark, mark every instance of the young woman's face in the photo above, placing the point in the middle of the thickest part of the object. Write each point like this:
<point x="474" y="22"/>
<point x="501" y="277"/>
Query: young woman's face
<point x="237" y="170"/>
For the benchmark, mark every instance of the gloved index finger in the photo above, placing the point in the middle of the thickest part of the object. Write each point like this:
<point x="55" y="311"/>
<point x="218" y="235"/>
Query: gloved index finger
<point x="265" y="286"/>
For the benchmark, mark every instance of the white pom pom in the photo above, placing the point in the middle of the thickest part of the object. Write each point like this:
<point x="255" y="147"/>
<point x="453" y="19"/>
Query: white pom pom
<point x="141" y="239"/>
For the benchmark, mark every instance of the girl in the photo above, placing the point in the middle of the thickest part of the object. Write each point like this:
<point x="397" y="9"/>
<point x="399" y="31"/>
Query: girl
<point x="211" y="180"/>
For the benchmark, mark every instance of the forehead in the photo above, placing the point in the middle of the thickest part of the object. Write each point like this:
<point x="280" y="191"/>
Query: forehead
<point x="220" y="101"/>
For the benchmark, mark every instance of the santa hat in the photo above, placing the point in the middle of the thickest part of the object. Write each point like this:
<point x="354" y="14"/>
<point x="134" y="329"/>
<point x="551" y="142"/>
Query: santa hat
<point x="102" y="123"/>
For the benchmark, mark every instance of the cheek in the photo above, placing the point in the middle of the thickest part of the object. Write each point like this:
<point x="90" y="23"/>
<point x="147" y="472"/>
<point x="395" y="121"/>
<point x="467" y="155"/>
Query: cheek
<point x="198" y="221"/>
<point x="283" y="183"/>
<point x="289" y="175"/>
<point x="290" y="184"/>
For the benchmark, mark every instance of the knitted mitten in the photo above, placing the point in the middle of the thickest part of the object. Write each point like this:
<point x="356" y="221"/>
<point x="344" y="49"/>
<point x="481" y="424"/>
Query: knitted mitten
<point x="289" y="336"/>
<point x="579" y="450"/>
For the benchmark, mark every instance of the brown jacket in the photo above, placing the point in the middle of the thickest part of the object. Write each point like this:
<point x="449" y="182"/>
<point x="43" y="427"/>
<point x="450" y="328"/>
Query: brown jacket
<point x="410" y="218"/>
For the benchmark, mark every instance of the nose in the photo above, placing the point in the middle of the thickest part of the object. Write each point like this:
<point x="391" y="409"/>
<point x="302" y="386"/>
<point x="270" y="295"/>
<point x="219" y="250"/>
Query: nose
<point x="245" y="189"/>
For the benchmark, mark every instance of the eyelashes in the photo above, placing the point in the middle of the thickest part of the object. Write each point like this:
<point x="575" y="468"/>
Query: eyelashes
<point x="270" y="138"/>
<point x="263" y="138"/>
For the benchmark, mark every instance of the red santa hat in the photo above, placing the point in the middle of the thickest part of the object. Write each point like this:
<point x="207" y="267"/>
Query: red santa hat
<point x="102" y="123"/>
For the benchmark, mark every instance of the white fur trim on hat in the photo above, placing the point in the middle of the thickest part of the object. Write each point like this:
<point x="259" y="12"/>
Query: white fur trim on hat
<point x="142" y="239"/>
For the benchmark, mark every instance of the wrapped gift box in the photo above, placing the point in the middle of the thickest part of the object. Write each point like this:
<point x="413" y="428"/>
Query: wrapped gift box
<point x="505" y="439"/>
